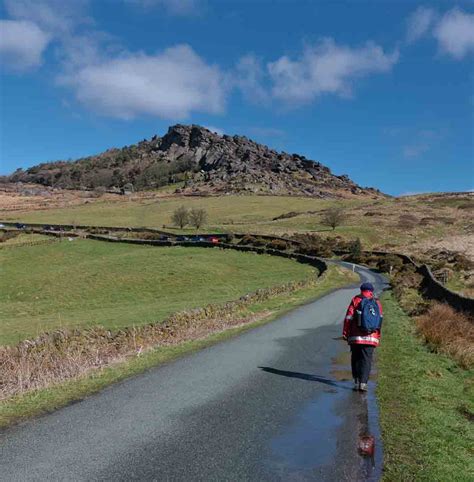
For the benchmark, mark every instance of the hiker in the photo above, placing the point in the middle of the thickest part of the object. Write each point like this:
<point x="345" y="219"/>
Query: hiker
<point x="362" y="326"/>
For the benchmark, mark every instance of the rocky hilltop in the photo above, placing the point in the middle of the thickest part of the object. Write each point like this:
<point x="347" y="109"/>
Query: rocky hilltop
<point x="197" y="161"/>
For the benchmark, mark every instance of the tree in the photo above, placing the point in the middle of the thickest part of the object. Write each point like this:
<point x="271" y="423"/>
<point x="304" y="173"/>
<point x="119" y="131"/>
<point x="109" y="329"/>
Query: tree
<point x="333" y="217"/>
<point x="197" y="217"/>
<point x="180" y="217"/>
<point x="355" y="249"/>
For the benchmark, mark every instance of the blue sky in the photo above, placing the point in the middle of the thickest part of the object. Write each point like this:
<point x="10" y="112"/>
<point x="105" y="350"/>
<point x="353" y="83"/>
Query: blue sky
<point x="381" y="91"/>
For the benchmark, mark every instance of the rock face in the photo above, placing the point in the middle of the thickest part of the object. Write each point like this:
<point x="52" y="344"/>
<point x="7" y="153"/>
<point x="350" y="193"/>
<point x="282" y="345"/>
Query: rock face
<point x="198" y="161"/>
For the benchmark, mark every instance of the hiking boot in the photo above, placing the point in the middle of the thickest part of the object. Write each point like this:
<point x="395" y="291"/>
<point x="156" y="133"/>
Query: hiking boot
<point x="363" y="387"/>
<point x="356" y="384"/>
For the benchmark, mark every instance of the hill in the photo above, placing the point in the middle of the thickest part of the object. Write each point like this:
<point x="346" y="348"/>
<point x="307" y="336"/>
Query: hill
<point x="197" y="161"/>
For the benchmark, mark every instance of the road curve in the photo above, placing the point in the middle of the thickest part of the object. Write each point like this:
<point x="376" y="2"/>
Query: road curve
<point x="265" y="405"/>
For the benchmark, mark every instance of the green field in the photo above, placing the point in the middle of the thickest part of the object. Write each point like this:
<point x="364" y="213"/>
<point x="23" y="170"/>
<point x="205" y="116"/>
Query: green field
<point x="223" y="210"/>
<point x="84" y="282"/>
<point x="375" y="222"/>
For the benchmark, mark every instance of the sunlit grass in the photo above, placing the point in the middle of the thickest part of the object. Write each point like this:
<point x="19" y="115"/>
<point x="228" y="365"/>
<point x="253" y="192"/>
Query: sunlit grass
<point x="84" y="282"/>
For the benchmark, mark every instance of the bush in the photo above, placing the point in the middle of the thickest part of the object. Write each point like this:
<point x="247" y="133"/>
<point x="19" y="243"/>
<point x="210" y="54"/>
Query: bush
<point x="355" y="249"/>
<point x="6" y="235"/>
<point x="390" y="263"/>
<point x="449" y="331"/>
<point x="260" y="242"/>
<point x="412" y="302"/>
<point x="248" y="240"/>
<point x="278" y="244"/>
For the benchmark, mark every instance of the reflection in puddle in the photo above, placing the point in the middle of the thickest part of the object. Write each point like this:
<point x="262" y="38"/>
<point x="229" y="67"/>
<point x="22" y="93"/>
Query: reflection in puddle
<point x="366" y="445"/>
<point x="312" y="439"/>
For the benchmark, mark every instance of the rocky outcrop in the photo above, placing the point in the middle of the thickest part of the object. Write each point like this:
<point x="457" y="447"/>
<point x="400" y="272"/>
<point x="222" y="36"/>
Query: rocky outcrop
<point x="202" y="162"/>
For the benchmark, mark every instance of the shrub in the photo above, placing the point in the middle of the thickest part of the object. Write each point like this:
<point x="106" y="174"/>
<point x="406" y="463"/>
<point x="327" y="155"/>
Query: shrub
<point x="412" y="302"/>
<point x="278" y="244"/>
<point x="389" y="263"/>
<point x="449" y="331"/>
<point x="355" y="249"/>
<point x="260" y="242"/>
<point x="6" y="235"/>
<point x="247" y="239"/>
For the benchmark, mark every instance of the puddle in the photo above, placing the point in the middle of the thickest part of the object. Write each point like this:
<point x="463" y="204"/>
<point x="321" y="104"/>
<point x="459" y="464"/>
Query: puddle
<point x="371" y="466"/>
<point x="341" y="375"/>
<point x="311" y="440"/>
<point x="344" y="358"/>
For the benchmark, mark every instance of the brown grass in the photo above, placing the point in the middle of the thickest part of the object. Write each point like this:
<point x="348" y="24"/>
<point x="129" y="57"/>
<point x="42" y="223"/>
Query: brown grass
<point x="449" y="331"/>
<point x="64" y="354"/>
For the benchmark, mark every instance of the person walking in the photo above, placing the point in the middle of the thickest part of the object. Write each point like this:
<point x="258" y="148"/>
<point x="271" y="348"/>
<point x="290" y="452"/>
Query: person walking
<point x="362" y="327"/>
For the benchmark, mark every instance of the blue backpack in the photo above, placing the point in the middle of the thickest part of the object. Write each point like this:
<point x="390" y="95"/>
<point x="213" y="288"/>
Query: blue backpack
<point x="369" y="318"/>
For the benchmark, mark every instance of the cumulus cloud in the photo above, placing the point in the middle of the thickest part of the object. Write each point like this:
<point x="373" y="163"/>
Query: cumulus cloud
<point x="455" y="33"/>
<point x="54" y="16"/>
<point x="35" y="24"/>
<point x="326" y="68"/>
<point x="22" y="44"/>
<point x="171" y="85"/>
<point x="249" y="78"/>
<point x="419" y="23"/>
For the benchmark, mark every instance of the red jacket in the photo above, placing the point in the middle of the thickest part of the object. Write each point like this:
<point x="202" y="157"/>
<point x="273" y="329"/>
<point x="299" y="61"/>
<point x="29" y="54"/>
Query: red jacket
<point x="351" y="332"/>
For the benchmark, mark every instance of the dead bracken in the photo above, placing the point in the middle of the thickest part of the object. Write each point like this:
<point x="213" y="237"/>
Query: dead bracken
<point x="64" y="354"/>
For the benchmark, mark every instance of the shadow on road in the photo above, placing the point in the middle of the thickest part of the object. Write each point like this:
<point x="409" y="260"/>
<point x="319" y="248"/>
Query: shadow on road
<point x="305" y="376"/>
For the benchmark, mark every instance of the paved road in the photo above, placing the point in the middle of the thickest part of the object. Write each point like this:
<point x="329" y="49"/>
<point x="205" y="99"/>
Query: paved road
<point x="270" y="404"/>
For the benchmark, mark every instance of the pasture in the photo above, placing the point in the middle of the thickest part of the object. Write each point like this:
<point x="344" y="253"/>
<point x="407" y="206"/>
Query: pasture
<point x="82" y="282"/>
<point x="404" y="222"/>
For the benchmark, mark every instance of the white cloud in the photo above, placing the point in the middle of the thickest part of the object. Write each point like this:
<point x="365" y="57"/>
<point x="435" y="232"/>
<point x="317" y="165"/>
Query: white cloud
<point x="37" y="23"/>
<point x="455" y="33"/>
<point x="54" y="16"/>
<point x="216" y="130"/>
<point x="423" y="141"/>
<point x="419" y="22"/>
<point x="326" y="68"/>
<point x="22" y="44"/>
<point x="170" y="85"/>
<point x="415" y="150"/>
<point x="249" y="77"/>
<point x="413" y="193"/>
<point x="174" y="7"/>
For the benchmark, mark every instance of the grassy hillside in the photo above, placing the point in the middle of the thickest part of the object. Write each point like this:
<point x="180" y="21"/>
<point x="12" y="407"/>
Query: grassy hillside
<point x="410" y="222"/>
<point x="85" y="282"/>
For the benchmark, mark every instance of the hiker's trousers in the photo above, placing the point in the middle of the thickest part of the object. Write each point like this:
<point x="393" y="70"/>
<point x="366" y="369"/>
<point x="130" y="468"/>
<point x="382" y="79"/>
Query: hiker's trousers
<point x="361" y="362"/>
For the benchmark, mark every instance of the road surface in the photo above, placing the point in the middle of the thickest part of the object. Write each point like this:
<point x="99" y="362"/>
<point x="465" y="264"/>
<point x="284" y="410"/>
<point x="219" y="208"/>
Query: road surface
<point x="270" y="404"/>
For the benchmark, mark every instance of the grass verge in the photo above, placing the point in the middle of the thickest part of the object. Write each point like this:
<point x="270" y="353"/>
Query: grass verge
<point x="46" y="400"/>
<point x="426" y="406"/>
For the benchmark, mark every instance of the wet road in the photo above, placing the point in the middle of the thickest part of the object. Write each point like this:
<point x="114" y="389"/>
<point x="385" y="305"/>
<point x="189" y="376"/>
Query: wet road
<point x="274" y="403"/>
